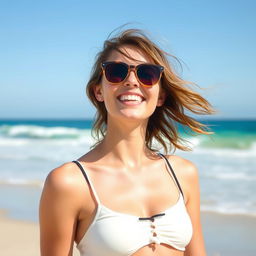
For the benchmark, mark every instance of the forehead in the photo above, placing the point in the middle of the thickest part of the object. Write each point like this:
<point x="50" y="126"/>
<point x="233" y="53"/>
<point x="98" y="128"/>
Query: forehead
<point x="131" y="55"/>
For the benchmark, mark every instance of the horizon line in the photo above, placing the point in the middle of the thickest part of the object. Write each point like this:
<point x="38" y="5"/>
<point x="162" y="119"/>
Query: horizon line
<point x="91" y="118"/>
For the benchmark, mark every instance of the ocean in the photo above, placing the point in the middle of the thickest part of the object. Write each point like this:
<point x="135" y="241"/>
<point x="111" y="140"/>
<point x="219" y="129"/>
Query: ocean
<point x="30" y="149"/>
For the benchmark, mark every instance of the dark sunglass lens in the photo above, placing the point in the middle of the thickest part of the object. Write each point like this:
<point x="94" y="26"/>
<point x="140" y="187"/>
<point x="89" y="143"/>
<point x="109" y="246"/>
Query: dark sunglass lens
<point x="148" y="74"/>
<point x="115" y="72"/>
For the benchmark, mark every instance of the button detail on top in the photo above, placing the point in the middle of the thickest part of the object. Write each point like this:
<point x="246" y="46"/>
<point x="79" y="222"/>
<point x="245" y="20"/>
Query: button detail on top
<point x="155" y="240"/>
<point x="152" y="217"/>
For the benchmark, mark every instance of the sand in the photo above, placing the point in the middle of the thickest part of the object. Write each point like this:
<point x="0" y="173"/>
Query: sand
<point x="224" y="236"/>
<point x="19" y="238"/>
<point x="229" y="235"/>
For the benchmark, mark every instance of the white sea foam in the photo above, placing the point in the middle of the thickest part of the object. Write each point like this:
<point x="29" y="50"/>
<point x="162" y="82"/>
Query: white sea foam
<point x="233" y="176"/>
<point x="28" y="153"/>
<point x="229" y="209"/>
<point x="21" y="182"/>
<point x="10" y="142"/>
<point x="33" y="131"/>
<point x="226" y="152"/>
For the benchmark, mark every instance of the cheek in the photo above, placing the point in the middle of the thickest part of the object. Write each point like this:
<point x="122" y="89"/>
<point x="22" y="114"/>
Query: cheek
<point x="108" y="92"/>
<point x="153" y="94"/>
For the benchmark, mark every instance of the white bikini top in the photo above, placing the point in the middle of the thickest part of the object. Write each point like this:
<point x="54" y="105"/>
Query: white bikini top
<point x="113" y="233"/>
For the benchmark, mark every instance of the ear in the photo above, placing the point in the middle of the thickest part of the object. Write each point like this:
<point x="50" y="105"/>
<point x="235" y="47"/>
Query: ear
<point x="161" y="98"/>
<point x="98" y="93"/>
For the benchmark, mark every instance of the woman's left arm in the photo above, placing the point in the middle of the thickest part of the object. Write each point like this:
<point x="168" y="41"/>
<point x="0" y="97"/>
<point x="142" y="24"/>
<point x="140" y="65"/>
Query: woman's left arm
<point x="196" y="246"/>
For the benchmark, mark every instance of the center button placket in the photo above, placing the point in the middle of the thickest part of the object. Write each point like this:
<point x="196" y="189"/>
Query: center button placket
<point x="154" y="238"/>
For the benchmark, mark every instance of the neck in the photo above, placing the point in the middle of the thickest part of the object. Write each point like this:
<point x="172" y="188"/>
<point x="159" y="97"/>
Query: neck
<point x="125" y="144"/>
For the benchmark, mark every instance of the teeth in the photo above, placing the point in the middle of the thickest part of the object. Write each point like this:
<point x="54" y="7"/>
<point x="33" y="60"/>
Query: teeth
<point x="131" y="97"/>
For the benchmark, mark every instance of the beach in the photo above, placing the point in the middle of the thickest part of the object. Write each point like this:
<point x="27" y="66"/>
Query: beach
<point x="19" y="238"/>
<point x="30" y="149"/>
<point x="229" y="235"/>
<point x="225" y="235"/>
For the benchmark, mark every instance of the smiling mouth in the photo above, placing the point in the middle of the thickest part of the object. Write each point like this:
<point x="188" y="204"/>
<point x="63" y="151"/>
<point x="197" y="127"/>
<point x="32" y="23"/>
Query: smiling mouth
<point x="135" y="99"/>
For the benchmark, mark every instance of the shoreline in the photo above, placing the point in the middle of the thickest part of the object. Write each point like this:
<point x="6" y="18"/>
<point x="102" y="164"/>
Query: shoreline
<point x="225" y="235"/>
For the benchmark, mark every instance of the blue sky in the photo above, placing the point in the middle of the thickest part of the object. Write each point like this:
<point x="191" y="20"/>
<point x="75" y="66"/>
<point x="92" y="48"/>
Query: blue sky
<point x="47" y="49"/>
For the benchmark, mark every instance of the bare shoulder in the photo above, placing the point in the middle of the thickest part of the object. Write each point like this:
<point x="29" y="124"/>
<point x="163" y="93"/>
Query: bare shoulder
<point x="186" y="172"/>
<point x="64" y="177"/>
<point x="60" y="207"/>
<point x="65" y="181"/>
<point x="183" y="167"/>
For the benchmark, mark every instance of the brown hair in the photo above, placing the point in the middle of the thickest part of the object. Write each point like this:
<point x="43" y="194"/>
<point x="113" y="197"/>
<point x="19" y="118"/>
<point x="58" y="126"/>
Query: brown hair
<point x="162" y="124"/>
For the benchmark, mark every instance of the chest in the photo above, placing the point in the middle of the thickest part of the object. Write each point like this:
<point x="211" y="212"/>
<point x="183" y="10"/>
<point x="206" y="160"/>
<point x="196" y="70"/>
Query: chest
<point x="139" y="192"/>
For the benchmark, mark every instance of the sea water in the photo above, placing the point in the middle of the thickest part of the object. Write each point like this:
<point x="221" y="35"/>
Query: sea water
<point x="30" y="149"/>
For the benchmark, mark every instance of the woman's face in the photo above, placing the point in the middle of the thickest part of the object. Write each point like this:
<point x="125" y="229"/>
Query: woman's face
<point x="132" y="109"/>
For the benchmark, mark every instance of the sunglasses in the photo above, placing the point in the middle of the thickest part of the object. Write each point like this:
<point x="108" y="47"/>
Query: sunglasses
<point x="147" y="74"/>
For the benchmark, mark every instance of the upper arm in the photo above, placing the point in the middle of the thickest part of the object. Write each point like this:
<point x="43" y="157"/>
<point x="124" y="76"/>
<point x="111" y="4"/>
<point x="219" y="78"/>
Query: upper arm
<point x="58" y="213"/>
<point x="196" y="246"/>
<point x="188" y="175"/>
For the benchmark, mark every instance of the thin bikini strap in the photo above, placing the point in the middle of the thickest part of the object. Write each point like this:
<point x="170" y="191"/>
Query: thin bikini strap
<point x="86" y="176"/>
<point x="171" y="171"/>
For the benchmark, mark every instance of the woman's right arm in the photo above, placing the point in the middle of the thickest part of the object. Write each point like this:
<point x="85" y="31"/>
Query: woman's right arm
<point x="58" y="212"/>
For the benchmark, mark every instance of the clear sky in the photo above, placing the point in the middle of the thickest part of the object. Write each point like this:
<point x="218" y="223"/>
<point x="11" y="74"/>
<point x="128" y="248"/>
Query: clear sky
<point x="47" y="49"/>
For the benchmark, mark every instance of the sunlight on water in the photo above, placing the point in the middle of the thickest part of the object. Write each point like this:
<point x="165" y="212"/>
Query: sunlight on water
<point x="226" y="160"/>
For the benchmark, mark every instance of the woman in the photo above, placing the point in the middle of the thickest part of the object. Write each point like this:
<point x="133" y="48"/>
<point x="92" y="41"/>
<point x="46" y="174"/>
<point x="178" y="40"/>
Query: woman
<point x="123" y="197"/>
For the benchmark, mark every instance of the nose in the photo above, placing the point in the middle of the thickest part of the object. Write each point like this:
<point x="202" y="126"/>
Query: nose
<point x="131" y="78"/>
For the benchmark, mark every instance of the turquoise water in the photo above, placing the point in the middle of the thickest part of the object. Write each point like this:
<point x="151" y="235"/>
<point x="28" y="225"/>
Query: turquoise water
<point x="236" y="134"/>
<point x="29" y="149"/>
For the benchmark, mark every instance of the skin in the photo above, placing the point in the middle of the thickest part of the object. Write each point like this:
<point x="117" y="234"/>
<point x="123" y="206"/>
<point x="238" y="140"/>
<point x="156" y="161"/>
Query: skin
<point x="128" y="177"/>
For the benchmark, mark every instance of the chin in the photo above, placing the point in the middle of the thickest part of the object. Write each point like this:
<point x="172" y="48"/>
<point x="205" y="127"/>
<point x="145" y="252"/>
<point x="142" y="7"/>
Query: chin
<point x="132" y="116"/>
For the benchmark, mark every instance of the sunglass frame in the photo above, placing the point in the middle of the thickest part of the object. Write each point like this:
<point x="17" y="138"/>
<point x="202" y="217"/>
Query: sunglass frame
<point x="130" y="68"/>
